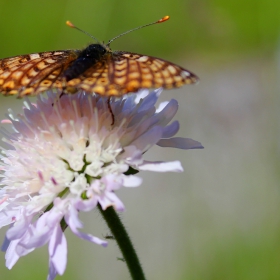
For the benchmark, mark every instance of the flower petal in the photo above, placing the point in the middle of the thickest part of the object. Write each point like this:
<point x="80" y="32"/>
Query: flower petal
<point x="52" y="271"/>
<point x="159" y="166"/>
<point x="11" y="255"/>
<point x="148" y="139"/>
<point x="180" y="143"/>
<point x="73" y="222"/>
<point x="110" y="199"/>
<point x="19" y="228"/>
<point x="168" y="112"/>
<point x="170" y="130"/>
<point x="132" y="181"/>
<point x="58" y="250"/>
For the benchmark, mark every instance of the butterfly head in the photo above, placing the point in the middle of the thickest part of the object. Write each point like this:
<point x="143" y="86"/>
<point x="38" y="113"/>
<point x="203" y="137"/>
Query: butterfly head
<point x="95" y="49"/>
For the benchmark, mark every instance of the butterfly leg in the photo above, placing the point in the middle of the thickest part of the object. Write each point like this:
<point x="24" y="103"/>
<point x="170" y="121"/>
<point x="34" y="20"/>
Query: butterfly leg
<point x="110" y="110"/>
<point x="58" y="97"/>
<point x="63" y="91"/>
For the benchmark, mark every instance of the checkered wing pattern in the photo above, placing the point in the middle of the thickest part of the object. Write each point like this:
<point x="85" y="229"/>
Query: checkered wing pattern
<point x="114" y="74"/>
<point x="34" y="73"/>
<point x="119" y="72"/>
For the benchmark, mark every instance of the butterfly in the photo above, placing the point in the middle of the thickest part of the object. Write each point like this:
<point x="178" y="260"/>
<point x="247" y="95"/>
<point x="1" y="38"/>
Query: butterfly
<point x="95" y="69"/>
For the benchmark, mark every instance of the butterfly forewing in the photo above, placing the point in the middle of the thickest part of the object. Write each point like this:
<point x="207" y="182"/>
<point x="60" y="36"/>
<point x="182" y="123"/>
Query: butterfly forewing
<point x="34" y="73"/>
<point x="154" y="72"/>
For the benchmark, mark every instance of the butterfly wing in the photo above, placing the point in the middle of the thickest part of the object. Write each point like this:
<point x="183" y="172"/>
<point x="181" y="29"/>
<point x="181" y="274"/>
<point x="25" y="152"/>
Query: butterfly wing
<point x="115" y="74"/>
<point x="152" y="72"/>
<point x="34" y="73"/>
<point x="120" y="72"/>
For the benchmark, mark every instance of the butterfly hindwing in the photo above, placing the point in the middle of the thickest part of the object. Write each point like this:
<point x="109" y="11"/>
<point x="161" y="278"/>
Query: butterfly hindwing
<point x="96" y="79"/>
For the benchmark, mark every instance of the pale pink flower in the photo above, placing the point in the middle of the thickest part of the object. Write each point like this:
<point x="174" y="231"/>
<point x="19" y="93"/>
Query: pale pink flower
<point x="65" y="157"/>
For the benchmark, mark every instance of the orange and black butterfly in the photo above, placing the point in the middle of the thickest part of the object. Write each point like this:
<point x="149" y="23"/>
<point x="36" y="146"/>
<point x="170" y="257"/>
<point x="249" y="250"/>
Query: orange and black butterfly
<point x="96" y="69"/>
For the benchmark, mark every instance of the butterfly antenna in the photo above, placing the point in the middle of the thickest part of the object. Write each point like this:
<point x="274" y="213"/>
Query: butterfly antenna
<point x="158" y="21"/>
<point x="70" y="24"/>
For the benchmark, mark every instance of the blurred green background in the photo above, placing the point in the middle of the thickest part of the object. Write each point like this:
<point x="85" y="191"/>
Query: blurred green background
<point x="220" y="218"/>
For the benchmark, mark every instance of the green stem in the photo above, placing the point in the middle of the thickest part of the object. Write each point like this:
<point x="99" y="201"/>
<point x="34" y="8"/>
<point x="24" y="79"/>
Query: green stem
<point x="124" y="242"/>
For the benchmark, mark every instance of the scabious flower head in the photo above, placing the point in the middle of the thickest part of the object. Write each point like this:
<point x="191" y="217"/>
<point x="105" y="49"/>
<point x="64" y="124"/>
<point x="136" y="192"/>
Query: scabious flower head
<point x="66" y="156"/>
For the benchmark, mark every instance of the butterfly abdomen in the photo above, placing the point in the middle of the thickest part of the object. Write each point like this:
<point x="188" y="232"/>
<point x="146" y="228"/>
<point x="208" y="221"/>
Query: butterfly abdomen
<point x="86" y="59"/>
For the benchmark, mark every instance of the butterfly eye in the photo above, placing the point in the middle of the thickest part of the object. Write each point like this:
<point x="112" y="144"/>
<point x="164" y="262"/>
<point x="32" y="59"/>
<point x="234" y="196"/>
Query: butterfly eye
<point x="101" y="49"/>
<point x="95" y="48"/>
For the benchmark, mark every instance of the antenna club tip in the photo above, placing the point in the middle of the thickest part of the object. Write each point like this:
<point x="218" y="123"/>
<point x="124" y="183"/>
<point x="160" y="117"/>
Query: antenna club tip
<point x="163" y="19"/>
<point x="70" y="24"/>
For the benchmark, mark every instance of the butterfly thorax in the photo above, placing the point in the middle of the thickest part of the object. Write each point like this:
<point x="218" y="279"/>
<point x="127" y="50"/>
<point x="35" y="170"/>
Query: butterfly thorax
<point x="86" y="59"/>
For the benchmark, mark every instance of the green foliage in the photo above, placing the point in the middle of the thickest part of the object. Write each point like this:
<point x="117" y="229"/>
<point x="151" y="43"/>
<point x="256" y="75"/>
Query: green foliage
<point x="208" y="26"/>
